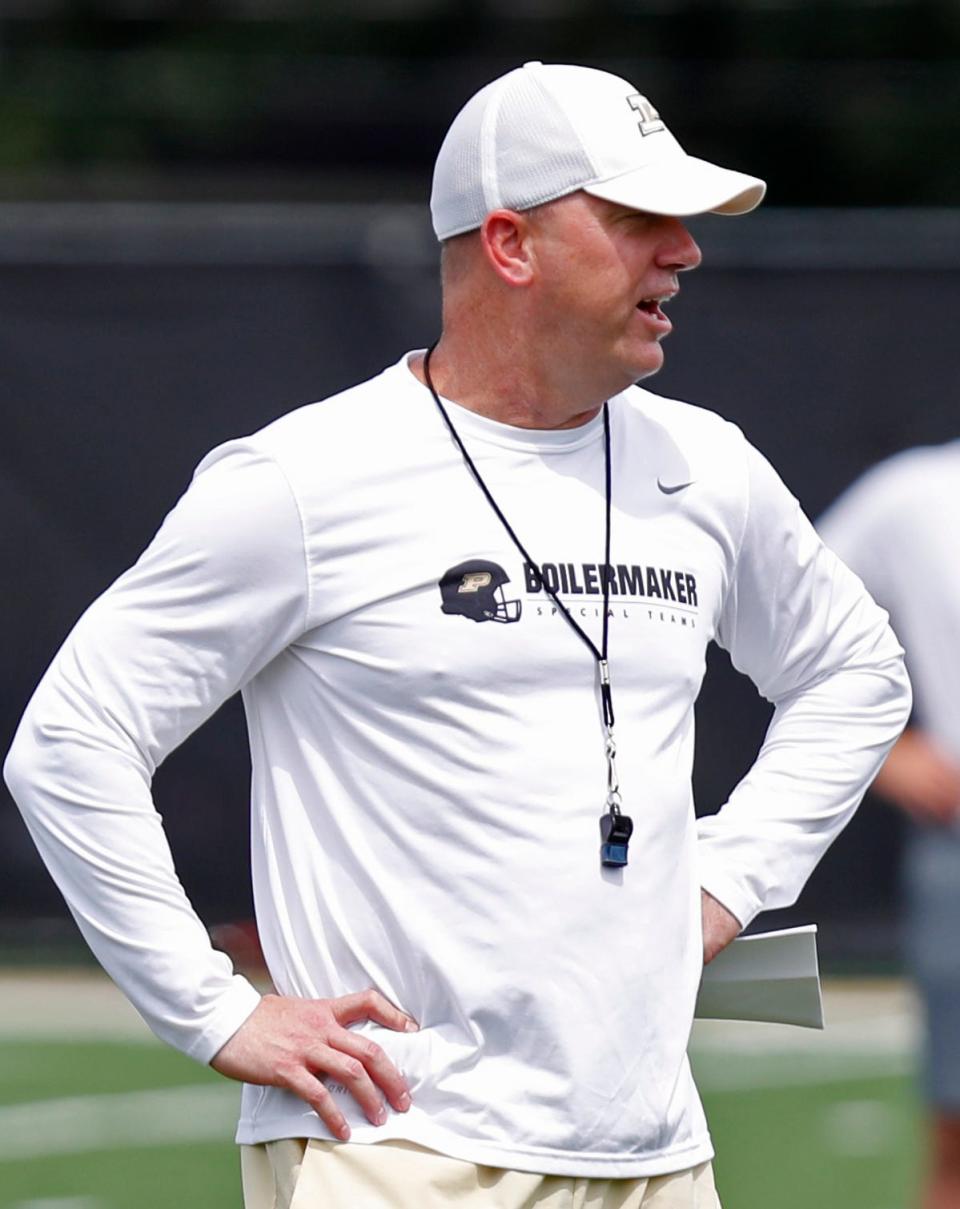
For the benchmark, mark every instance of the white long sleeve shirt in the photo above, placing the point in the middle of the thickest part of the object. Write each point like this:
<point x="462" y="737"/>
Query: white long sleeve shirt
<point x="427" y="787"/>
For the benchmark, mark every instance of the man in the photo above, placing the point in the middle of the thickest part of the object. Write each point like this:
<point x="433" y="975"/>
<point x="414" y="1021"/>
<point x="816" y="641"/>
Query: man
<point x="896" y="527"/>
<point x="468" y="604"/>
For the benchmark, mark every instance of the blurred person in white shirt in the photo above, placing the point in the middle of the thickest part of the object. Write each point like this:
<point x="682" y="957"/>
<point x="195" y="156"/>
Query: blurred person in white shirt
<point x="898" y="528"/>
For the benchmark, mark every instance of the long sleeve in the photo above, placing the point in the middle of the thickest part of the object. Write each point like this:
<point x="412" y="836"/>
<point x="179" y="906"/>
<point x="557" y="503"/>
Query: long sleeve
<point x="218" y="593"/>
<point x="802" y="627"/>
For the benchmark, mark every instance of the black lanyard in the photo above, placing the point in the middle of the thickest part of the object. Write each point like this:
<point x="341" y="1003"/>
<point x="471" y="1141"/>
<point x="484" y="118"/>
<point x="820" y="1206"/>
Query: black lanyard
<point x="615" y="827"/>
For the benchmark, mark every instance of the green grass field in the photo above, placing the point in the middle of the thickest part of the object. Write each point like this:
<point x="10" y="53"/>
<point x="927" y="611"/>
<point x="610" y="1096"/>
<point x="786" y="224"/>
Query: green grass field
<point x="101" y="1119"/>
<point x="849" y="1145"/>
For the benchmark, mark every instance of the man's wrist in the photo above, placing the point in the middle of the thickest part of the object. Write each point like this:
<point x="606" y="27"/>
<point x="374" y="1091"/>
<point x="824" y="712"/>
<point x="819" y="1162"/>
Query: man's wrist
<point x="232" y="1011"/>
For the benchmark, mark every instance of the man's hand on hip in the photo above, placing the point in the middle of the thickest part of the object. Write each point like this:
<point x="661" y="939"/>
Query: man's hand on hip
<point x="719" y="926"/>
<point x="293" y="1043"/>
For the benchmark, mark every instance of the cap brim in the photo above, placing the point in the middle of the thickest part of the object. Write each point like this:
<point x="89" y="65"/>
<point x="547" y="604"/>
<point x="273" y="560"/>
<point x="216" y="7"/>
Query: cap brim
<point x="681" y="186"/>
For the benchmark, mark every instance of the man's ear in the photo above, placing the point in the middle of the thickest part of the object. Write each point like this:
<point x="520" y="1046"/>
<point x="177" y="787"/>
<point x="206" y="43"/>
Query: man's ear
<point x="505" y="236"/>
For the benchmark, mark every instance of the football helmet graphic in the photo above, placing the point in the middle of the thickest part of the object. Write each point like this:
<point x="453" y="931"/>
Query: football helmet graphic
<point x="474" y="589"/>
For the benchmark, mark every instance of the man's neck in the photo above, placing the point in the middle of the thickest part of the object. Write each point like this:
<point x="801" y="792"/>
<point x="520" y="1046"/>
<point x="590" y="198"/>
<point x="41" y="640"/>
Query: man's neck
<point x="510" y="393"/>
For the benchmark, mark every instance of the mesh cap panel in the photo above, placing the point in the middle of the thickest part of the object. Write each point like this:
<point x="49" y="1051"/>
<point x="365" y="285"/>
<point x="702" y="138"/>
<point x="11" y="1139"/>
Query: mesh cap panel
<point x="539" y="155"/>
<point x="511" y="145"/>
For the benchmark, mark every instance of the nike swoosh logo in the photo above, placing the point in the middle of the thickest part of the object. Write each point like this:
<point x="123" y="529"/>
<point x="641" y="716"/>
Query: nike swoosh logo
<point x="674" y="487"/>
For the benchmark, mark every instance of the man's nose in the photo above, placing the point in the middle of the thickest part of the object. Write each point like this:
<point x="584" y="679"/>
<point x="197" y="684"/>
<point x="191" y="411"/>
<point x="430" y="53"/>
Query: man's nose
<point x="679" y="250"/>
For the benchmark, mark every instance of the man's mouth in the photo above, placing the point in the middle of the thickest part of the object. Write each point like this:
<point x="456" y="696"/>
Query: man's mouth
<point x="653" y="305"/>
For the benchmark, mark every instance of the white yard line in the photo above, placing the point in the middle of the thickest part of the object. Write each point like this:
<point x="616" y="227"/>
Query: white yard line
<point x="163" y="1117"/>
<point x="60" y="1202"/>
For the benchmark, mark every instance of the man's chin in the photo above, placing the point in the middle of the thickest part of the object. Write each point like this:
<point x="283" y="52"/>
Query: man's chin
<point x="646" y="367"/>
<point x="627" y="366"/>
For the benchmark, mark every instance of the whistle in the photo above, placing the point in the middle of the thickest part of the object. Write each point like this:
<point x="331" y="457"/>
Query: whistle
<point x="615" y="832"/>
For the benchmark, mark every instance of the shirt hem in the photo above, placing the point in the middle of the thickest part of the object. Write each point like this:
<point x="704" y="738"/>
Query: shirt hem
<point x="471" y="1150"/>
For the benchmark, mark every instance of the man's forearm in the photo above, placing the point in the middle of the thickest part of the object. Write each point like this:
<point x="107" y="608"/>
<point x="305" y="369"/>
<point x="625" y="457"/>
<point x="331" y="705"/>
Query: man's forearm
<point x="822" y="749"/>
<point x="90" y="814"/>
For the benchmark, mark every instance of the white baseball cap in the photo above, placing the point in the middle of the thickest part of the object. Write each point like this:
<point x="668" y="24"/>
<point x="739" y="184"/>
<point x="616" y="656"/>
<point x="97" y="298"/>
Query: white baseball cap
<point x="542" y="131"/>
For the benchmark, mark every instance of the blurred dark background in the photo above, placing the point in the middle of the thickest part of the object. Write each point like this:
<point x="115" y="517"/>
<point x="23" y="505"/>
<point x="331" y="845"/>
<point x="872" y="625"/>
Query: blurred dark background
<point x="212" y="212"/>
<point x="838" y="102"/>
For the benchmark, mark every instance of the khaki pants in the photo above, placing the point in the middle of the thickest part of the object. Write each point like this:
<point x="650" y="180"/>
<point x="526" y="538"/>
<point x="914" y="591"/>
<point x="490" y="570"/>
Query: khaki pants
<point x="299" y="1174"/>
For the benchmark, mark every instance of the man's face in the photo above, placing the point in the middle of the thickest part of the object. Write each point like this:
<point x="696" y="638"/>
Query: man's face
<point x="603" y="272"/>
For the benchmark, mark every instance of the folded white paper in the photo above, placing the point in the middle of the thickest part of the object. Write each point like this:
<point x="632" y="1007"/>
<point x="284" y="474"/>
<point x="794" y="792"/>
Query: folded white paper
<point x="771" y="976"/>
